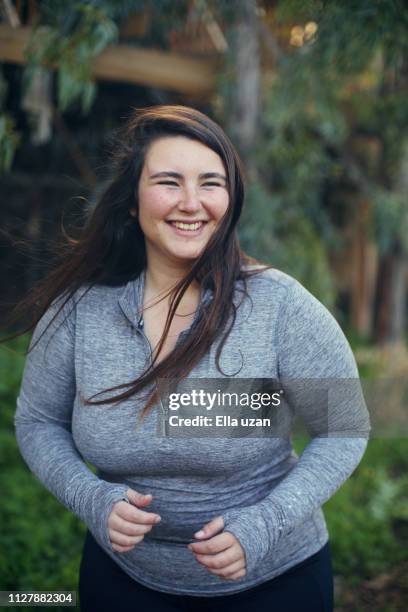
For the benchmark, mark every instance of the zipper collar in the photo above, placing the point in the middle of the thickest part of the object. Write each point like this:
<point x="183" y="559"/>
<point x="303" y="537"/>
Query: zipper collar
<point x="131" y="300"/>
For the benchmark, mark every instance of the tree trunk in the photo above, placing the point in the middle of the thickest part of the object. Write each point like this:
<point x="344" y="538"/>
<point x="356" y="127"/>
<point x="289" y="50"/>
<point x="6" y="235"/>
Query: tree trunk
<point x="397" y="325"/>
<point x="243" y="101"/>
<point x="364" y="271"/>
<point x="392" y="281"/>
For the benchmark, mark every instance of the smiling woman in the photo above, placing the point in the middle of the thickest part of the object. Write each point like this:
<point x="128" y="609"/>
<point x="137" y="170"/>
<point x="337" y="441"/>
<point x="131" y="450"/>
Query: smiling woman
<point x="156" y="288"/>
<point x="173" y="212"/>
<point x="177" y="218"/>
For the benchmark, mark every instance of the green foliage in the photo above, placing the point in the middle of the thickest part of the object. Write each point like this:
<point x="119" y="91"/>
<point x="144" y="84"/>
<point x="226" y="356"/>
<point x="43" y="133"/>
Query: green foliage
<point x="367" y="518"/>
<point x="70" y="35"/>
<point x="9" y="137"/>
<point x="345" y="81"/>
<point x="9" y="140"/>
<point x="284" y="222"/>
<point x="391" y="217"/>
<point x="283" y="236"/>
<point x="12" y="358"/>
<point x="348" y="80"/>
<point x="350" y="33"/>
<point x="72" y="46"/>
<point x="41" y="544"/>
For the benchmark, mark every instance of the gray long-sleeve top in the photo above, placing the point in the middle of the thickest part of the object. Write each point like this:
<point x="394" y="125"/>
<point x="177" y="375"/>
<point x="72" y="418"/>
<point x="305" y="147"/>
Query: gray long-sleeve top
<point x="269" y="497"/>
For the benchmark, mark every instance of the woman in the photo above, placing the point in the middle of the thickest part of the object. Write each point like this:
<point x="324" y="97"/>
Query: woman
<point x="157" y="288"/>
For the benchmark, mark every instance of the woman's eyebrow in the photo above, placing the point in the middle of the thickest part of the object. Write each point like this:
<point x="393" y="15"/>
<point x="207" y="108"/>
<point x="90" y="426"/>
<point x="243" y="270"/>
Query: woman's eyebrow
<point x="204" y="175"/>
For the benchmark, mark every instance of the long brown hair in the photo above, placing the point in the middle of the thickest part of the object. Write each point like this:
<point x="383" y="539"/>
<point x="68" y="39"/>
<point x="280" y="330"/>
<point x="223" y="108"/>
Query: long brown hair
<point x="110" y="249"/>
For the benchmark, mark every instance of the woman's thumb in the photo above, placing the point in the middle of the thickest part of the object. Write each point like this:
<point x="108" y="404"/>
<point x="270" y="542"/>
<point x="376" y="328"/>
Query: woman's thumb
<point x="138" y="499"/>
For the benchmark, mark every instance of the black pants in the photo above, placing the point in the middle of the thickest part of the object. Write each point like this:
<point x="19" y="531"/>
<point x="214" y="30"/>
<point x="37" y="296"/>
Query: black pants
<point x="105" y="587"/>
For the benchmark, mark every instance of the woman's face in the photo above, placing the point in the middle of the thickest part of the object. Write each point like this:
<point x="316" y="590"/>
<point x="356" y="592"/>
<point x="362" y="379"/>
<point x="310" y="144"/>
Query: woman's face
<point x="183" y="195"/>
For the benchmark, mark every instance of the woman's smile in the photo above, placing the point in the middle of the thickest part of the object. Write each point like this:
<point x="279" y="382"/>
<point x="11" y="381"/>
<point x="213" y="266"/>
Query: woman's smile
<point x="187" y="228"/>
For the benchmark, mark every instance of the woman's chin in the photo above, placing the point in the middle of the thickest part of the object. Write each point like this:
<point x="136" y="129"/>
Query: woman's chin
<point x="186" y="255"/>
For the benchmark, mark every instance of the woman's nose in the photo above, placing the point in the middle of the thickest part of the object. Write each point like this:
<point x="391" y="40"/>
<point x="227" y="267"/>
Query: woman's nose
<point x="189" y="201"/>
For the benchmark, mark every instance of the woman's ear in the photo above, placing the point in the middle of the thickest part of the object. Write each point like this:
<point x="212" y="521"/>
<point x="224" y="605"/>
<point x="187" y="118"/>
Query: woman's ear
<point x="133" y="212"/>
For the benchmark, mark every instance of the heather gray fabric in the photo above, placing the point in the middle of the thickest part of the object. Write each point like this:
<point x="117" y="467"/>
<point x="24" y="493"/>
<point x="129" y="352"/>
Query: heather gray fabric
<point x="270" y="498"/>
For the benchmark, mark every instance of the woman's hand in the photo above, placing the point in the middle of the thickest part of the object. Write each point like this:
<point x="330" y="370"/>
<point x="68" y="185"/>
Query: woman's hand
<point x="127" y="524"/>
<point x="221" y="554"/>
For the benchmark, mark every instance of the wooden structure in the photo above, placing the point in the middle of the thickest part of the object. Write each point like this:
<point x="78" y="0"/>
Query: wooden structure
<point x="193" y="76"/>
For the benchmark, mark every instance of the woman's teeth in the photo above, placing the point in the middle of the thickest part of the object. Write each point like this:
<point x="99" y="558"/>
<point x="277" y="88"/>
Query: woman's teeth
<point x="187" y="226"/>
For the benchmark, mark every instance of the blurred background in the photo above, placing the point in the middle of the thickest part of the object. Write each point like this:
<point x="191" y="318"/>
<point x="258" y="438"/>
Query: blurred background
<point x="314" y="97"/>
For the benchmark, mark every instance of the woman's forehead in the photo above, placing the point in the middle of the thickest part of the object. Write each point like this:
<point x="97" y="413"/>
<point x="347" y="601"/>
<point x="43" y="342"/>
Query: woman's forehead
<point x="180" y="152"/>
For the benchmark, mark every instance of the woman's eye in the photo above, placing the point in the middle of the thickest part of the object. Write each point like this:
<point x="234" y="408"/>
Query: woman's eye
<point x="176" y="184"/>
